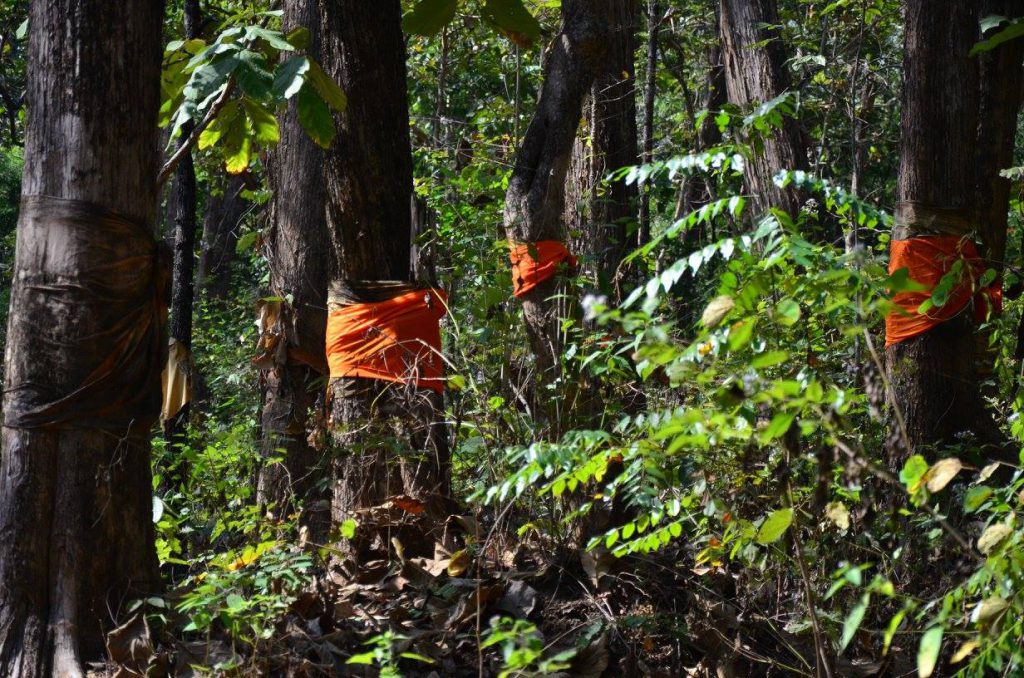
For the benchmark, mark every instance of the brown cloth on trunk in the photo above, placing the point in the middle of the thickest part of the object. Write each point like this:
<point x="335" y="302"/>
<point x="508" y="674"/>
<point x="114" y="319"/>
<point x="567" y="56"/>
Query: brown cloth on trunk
<point x="99" y="282"/>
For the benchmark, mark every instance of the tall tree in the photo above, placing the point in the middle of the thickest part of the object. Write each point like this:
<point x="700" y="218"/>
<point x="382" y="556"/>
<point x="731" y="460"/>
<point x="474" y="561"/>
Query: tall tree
<point x="755" y="73"/>
<point x="601" y="215"/>
<point x="298" y="253"/>
<point x="934" y="375"/>
<point x="183" y="287"/>
<point x="535" y="200"/>
<point x="85" y="340"/>
<point x="369" y="189"/>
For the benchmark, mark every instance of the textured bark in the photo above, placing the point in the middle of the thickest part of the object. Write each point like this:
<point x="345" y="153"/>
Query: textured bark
<point x="298" y="252"/>
<point x="390" y="438"/>
<point x="535" y="201"/>
<point x="183" y="289"/>
<point x="934" y="376"/>
<point x="75" y="503"/>
<point x="600" y="216"/>
<point x="755" y="73"/>
<point x="650" y="94"/>
<point x="224" y="213"/>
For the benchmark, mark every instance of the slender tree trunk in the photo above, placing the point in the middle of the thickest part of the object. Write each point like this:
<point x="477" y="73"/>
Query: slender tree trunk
<point x="934" y="376"/>
<point x="183" y="290"/>
<point x="224" y="214"/>
<point x="390" y="437"/>
<point x="85" y="338"/>
<point x="650" y="94"/>
<point x="600" y="215"/>
<point x="298" y="253"/>
<point x="535" y="201"/>
<point x="755" y="73"/>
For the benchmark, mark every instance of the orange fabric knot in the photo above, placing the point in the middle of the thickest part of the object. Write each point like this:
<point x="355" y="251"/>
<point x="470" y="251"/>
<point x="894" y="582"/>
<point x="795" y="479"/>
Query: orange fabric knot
<point x="927" y="260"/>
<point x="397" y="340"/>
<point x="528" y="272"/>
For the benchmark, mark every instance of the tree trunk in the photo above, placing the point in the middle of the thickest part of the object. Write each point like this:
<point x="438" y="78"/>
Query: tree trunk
<point x="600" y="216"/>
<point x="934" y="375"/>
<point x="390" y="437"/>
<point x="298" y="252"/>
<point x="224" y="213"/>
<point x="85" y="338"/>
<point x="535" y="200"/>
<point x="755" y="73"/>
<point x="183" y="290"/>
<point x="650" y="93"/>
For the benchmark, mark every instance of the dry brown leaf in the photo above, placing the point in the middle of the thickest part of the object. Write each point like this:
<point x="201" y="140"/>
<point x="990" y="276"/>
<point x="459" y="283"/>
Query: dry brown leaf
<point x="941" y="473"/>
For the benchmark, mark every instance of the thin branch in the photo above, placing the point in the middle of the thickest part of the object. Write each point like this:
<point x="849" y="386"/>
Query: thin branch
<point x="168" y="169"/>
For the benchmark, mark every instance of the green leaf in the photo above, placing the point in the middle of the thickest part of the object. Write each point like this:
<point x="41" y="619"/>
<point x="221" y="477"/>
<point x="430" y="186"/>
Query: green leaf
<point x="512" y="19"/>
<point x="787" y="312"/>
<point x="913" y="471"/>
<point x="348" y="528"/>
<point x="263" y="123"/>
<point x="853" y="620"/>
<point x="245" y="243"/>
<point x="315" y="116"/>
<point x="366" y="658"/>
<point x="237" y="145"/>
<point x="289" y="77"/>
<point x="740" y="334"/>
<point x="210" y="136"/>
<point x="272" y="38"/>
<point x="976" y="497"/>
<point x="326" y="88"/>
<point x="252" y="75"/>
<point x="1014" y="30"/>
<point x="778" y="426"/>
<point x="774" y="526"/>
<point x="429" y="16"/>
<point x="22" y="30"/>
<point x="928" y="652"/>
<point x="298" y="37"/>
<point x="890" y="631"/>
<point x="235" y="602"/>
<point x="769" y="358"/>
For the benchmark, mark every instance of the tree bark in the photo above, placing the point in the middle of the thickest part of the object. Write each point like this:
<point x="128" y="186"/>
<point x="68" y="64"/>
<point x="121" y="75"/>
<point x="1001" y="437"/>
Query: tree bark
<point x="600" y="216"/>
<point x="183" y="290"/>
<point x="650" y="94"/>
<point x="934" y="376"/>
<point x="535" y="200"/>
<point x="390" y="437"/>
<point x="298" y="251"/>
<point x="755" y="73"/>
<point x="76" y="499"/>
<point x="224" y="213"/>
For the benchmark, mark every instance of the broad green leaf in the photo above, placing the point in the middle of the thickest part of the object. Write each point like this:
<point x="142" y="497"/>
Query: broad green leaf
<point x="315" y="116"/>
<point x="913" y="471"/>
<point x="298" y="37"/>
<point x="890" y="631"/>
<point x="769" y="359"/>
<point x="348" y="528"/>
<point x="1014" y="30"/>
<point x="740" y="334"/>
<point x="928" y="652"/>
<point x="244" y="244"/>
<point x="429" y="16"/>
<point x="975" y="497"/>
<point x="236" y="145"/>
<point x="512" y="19"/>
<point x="853" y="620"/>
<point x="253" y="76"/>
<point x="235" y="602"/>
<point x="787" y="312"/>
<point x="210" y="136"/>
<point x="774" y="526"/>
<point x="289" y="77"/>
<point x="272" y="38"/>
<point x="778" y="426"/>
<point x="326" y="88"/>
<point x="263" y="123"/>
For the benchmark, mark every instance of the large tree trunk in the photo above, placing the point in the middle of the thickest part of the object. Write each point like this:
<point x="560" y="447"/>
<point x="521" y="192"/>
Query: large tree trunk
<point x="224" y="213"/>
<point x="535" y="201"/>
<point x="934" y="375"/>
<point x="298" y="252"/>
<point x="755" y="73"/>
<point x="600" y="216"/>
<point x="390" y="437"/>
<point x="85" y="338"/>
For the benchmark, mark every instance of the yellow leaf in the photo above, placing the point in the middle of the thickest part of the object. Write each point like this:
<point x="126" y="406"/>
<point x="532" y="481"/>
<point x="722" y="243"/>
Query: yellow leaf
<point x="942" y="472"/>
<point x="964" y="650"/>
<point x="991" y="537"/>
<point x="459" y="563"/>
<point x="717" y="310"/>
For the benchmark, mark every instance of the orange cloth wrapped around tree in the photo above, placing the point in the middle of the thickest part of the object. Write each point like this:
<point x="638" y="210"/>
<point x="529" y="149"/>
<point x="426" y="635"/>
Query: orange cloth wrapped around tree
<point x="396" y="340"/>
<point x="927" y="260"/>
<point x="528" y="272"/>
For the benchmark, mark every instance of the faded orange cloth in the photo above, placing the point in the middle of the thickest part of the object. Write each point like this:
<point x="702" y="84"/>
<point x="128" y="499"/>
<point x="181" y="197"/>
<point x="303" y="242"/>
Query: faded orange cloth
<point x="927" y="260"/>
<point x="397" y="340"/>
<point x="528" y="272"/>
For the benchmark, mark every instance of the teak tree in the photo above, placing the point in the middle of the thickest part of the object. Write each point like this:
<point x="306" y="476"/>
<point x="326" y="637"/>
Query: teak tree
<point x="390" y="436"/>
<point x="298" y="255"/>
<point x="601" y="216"/>
<point x="85" y="339"/>
<point x="960" y="107"/>
<point x="755" y="73"/>
<point x="535" y="200"/>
